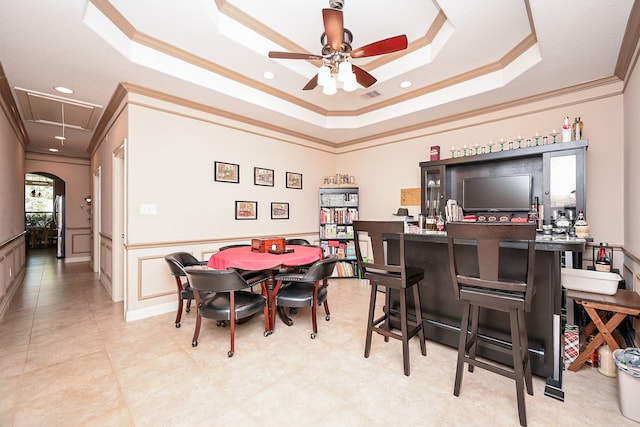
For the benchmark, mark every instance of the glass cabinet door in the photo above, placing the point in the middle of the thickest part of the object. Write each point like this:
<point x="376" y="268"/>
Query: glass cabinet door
<point x="564" y="185"/>
<point x="433" y="185"/>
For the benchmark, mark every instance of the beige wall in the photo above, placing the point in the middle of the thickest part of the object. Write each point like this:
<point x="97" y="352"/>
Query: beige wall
<point x="384" y="169"/>
<point x="631" y="193"/>
<point x="171" y="150"/>
<point x="12" y="242"/>
<point x="169" y="156"/>
<point x="632" y="163"/>
<point x="75" y="173"/>
<point x="108" y="152"/>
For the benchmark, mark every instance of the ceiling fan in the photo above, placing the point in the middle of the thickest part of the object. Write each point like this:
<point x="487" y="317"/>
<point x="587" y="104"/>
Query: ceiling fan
<point x="336" y="51"/>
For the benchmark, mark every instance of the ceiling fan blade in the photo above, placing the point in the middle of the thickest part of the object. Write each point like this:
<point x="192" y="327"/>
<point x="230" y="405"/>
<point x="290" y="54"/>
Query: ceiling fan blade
<point x="289" y="55"/>
<point x="364" y="78"/>
<point x="392" y="44"/>
<point x="312" y="83"/>
<point x="333" y="27"/>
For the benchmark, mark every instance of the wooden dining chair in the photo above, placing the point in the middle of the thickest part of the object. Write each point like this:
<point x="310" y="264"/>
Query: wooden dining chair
<point x="486" y="277"/>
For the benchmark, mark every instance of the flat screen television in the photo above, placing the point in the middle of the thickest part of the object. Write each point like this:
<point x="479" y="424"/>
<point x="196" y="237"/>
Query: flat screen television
<point x="497" y="194"/>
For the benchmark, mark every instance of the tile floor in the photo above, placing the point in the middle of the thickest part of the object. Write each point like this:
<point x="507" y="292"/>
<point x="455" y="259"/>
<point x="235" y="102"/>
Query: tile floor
<point x="67" y="358"/>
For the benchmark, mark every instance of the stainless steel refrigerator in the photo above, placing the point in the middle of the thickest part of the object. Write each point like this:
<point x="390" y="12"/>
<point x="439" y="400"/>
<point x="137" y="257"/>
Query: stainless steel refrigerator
<point x="58" y="219"/>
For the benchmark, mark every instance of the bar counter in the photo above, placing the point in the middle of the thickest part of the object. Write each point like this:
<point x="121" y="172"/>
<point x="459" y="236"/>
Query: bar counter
<point x="441" y="311"/>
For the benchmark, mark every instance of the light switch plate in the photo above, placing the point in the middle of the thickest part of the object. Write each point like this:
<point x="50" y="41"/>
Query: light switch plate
<point x="147" y="209"/>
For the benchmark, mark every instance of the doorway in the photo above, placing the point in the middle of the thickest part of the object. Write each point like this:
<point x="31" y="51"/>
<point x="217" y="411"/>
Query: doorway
<point x="44" y="212"/>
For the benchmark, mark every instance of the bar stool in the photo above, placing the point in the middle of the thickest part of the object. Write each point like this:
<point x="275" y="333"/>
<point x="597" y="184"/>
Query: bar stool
<point x="385" y="277"/>
<point x="485" y="281"/>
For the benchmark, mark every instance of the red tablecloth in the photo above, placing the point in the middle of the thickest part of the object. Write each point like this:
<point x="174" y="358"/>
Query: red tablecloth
<point x="245" y="259"/>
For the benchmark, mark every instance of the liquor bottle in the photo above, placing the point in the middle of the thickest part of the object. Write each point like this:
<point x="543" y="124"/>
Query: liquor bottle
<point x="577" y="129"/>
<point x="566" y="130"/>
<point x="580" y="224"/>
<point x="534" y="212"/>
<point x="603" y="262"/>
<point x="562" y="222"/>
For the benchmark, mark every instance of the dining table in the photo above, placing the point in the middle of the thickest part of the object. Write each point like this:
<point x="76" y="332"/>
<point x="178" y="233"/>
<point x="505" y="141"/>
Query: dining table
<point x="244" y="258"/>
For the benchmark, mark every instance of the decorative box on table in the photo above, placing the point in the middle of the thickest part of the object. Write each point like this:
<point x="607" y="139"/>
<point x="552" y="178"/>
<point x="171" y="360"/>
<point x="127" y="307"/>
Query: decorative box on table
<point x="270" y="244"/>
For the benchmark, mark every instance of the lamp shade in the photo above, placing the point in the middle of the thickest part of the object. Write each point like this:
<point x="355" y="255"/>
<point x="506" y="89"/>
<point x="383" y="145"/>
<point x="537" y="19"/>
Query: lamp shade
<point x="350" y="84"/>
<point x="324" y="74"/>
<point x="330" y="86"/>
<point x="344" y="70"/>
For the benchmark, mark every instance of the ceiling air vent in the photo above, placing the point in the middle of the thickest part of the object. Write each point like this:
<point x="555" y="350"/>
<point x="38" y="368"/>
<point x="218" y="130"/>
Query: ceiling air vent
<point x="372" y="94"/>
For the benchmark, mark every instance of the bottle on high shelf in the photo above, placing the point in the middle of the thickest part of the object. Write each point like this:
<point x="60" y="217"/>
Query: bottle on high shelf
<point x="577" y="129"/>
<point x="603" y="262"/>
<point x="566" y="130"/>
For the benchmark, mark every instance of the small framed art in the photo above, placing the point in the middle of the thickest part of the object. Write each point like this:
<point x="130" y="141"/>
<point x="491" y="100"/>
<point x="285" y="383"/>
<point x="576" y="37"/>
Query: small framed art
<point x="279" y="210"/>
<point x="246" y="210"/>
<point x="227" y="172"/>
<point x="294" y="180"/>
<point x="262" y="176"/>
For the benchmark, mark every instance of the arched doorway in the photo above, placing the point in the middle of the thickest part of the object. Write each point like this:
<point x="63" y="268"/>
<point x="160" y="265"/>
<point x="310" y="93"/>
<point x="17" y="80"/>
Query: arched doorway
<point x="44" y="212"/>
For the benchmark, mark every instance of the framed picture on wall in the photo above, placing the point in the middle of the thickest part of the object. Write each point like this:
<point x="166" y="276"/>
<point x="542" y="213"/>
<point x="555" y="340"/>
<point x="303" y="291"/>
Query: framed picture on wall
<point x="294" y="180"/>
<point x="246" y="210"/>
<point x="262" y="176"/>
<point x="227" y="172"/>
<point x="279" y="210"/>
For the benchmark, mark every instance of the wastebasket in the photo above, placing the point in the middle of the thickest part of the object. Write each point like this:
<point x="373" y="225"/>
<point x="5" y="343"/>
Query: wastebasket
<point x="628" y="363"/>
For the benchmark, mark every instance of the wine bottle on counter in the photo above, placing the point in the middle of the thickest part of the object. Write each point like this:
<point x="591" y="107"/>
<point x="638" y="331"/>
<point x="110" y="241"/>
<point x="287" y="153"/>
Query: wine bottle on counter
<point x="533" y="212"/>
<point x="580" y="224"/>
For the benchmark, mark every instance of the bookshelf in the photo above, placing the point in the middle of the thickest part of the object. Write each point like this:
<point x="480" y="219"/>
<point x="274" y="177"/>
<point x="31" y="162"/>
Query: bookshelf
<point x="338" y="210"/>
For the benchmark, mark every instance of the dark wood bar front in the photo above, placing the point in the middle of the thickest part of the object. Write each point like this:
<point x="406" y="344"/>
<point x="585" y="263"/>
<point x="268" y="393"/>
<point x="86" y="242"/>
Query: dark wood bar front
<point x="441" y="311"/>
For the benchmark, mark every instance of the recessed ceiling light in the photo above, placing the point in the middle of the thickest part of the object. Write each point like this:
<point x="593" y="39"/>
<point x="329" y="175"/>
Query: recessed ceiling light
<point x="60" y="138"/>
<point x="53" y="150"/>
<point x="268" y="75"/>
<point x="405" y="84"/>
<point x="63" y="89"/>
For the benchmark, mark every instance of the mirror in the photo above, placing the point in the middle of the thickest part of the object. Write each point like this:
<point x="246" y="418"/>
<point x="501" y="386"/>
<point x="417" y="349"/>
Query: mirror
<point x="562" y="186"/>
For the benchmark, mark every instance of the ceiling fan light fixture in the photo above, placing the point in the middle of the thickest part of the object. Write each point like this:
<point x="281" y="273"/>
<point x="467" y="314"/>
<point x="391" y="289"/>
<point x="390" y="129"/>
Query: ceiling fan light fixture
<point x="324" y="74"/>
<point x="350" y="84"/>
<point x="344" y="71"/>
<point x="330" y="87"/>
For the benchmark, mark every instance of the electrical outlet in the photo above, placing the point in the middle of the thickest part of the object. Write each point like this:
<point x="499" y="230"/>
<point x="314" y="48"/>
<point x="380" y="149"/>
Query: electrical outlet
<point x="147" y="209"/>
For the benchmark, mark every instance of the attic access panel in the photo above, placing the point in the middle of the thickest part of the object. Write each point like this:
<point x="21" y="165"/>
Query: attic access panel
<point x="47" y="109"/>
